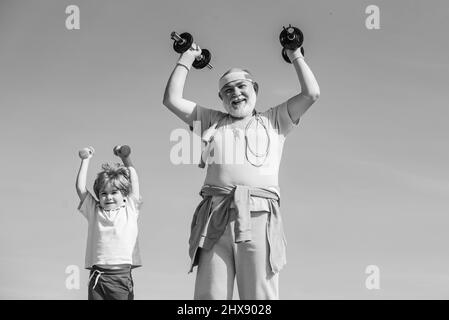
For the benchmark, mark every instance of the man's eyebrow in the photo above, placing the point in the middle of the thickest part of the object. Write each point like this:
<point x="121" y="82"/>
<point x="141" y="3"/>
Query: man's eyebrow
<point x="235" y="83"/>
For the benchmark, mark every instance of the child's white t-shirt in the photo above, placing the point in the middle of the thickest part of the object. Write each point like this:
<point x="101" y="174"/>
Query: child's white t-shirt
<point x="112" y="236"/>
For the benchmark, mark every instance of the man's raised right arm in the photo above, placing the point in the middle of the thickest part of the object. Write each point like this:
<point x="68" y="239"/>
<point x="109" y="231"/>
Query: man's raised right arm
<point x="173" y="95"/>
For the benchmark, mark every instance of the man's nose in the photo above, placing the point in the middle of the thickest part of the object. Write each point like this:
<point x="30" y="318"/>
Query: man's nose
<point x="235" y="92"/>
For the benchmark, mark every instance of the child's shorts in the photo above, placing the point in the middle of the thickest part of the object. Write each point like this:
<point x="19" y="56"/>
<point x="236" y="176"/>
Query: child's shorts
<point x="111" y="284"/>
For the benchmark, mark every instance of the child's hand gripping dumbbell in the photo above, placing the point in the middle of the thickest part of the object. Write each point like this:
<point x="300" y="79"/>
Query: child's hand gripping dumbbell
<point x="86" y="153"/>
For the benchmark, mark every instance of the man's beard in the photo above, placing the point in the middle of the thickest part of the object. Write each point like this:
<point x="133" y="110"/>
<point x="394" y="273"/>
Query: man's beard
<point x="241" y="112"/>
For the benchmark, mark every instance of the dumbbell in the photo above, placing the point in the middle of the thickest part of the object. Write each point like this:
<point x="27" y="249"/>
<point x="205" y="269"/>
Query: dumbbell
<point x="122" y="151"/>
<point x="183" y="42"/>
<point x="86" y="152"/>
<point x="291" y="38"/>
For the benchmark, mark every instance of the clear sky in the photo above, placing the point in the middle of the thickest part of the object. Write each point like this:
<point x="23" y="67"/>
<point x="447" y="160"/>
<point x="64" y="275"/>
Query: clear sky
<point x="364" y="178"/>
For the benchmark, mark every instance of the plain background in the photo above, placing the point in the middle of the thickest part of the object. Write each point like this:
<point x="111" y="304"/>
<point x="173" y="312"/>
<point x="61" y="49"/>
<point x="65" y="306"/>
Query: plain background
<point x="364" y="177"/>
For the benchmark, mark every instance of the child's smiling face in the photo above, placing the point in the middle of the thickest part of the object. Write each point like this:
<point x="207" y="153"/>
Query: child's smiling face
<point x="239" y="98"/>
<point x="111" y="198"/>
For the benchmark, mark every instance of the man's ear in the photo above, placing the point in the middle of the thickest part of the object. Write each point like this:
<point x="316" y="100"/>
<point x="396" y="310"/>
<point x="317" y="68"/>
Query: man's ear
<point x="256" y="87"/>
<point x="219" y="95"/>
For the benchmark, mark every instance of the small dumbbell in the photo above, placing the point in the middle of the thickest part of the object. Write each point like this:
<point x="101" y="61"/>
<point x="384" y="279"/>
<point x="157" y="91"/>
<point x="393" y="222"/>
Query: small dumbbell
<point x="291" y="38"/>
<point x="183" y="42"/>
<point x="86" y="152"/>
<point x="122" y="151"/>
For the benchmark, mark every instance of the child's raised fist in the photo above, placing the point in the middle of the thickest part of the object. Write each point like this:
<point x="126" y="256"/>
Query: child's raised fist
<point x="86" y="153"/>
<point x="122" y="151"/>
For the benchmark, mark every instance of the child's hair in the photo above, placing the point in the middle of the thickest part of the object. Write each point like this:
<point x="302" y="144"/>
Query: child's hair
<point x="117" y="175"/>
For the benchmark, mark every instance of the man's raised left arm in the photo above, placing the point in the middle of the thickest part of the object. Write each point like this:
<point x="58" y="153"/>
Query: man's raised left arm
<point x="310" y="91"/>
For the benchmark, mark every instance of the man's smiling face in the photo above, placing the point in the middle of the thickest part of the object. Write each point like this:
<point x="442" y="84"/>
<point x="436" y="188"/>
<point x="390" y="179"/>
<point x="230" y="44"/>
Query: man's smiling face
<point x="239" y="98"/>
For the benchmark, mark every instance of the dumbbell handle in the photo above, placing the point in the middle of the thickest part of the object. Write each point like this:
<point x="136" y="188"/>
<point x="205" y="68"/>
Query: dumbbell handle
<point x="178" y="38"/>
<point x="209" y="65"/>
<point x="290" y="32"/>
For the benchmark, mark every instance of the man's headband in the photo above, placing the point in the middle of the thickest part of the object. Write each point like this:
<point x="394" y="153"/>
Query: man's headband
<point x="233" y="76"/>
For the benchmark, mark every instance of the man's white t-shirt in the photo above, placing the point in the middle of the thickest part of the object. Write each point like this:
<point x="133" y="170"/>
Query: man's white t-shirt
<point x="246" y="152"/>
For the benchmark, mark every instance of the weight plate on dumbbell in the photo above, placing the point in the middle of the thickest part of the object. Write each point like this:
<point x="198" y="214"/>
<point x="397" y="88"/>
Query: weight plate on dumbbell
<point x="203" y="61"/>
<point x="86" y="152"/>
<point x="291" y="38"/>
<point x="285" y="56"/>
<point x="125" y="150"/>
<point x="181" y="47"/>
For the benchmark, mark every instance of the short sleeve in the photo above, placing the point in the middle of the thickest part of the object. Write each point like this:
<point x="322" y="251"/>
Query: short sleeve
<point x="280" y="119"/>
<point x="134" y="204"/>
<point x="88" y="206"/>
<point x="205" y="118"/>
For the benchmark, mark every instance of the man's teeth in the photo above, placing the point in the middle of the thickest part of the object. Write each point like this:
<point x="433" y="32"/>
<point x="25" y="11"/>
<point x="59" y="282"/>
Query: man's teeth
<point x="235" y="102"/>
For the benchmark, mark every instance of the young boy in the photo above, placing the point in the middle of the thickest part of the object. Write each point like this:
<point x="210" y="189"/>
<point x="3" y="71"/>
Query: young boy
<point x="237" y="228"/>
<point x="112" y="247"/>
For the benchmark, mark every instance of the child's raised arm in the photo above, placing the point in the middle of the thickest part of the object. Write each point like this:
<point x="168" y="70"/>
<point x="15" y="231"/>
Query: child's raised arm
<point x="310" y="91"/>
<point x="123" y="152"/>
<point x="85" y="155"/>
<point x="173" y="95"/>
